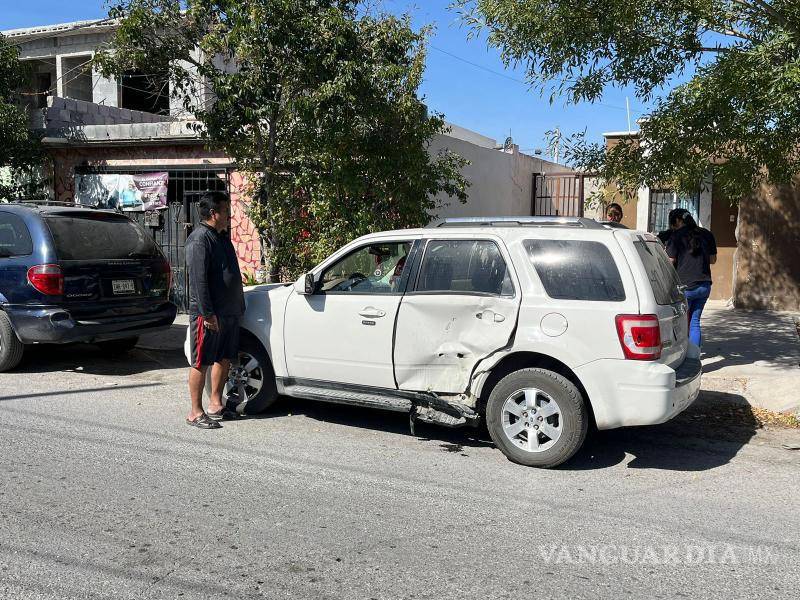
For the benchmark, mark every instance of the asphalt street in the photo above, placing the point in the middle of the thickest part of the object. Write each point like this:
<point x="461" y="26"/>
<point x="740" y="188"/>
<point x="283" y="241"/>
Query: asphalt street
<point x="107" y="493"/>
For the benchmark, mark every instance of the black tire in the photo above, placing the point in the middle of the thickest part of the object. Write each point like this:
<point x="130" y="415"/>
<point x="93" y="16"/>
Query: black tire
<point x="573" y="417"/>
<point x="268" y="393"/>
<point x="117" y="347"/>
<point x="11" y="349"/>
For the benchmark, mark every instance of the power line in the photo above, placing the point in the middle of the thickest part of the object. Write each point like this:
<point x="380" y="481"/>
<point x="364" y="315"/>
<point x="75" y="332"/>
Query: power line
<point x="514" y="79"/>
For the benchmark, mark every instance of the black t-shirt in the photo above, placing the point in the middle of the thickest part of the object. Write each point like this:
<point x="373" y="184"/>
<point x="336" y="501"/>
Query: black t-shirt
<point x="692" y="269"/>
<point x="665" y="235"/>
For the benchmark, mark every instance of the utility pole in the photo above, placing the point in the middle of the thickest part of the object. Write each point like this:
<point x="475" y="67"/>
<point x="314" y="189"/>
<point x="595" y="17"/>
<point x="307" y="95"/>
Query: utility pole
<point x="628" y="112"/>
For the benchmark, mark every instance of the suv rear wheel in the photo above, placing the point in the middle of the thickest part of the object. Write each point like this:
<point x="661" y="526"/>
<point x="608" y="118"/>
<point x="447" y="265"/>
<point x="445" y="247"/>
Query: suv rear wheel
<point x="537" y="417"/>
<point x="10" y="347"/>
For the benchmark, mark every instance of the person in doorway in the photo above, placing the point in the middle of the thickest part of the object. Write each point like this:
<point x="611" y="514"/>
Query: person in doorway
<point x="216" y="304"/>
<point x="614" y="213"/>
<point x="693" y="250"/>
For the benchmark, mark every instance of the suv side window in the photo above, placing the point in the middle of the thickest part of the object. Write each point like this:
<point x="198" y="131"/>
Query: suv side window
<point x="576" y="270"/>
<point x="15" y="239"/>
<point x="464" y="267"/>
<point x="373" y="269"/>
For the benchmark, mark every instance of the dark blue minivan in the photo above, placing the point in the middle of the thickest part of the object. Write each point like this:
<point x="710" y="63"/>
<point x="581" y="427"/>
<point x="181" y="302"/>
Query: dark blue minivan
<point x="75" y="274"/>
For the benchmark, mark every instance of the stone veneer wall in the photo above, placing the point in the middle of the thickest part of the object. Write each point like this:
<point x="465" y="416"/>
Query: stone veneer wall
<point x="243" y="232"/>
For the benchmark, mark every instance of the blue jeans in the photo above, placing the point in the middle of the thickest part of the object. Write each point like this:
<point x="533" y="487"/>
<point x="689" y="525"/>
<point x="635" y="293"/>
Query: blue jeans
<point x="697" y="300"/>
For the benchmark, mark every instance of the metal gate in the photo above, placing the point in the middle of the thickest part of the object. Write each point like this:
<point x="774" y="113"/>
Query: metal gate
<point x="557" y="195"/>
<point x="171" y="226"/>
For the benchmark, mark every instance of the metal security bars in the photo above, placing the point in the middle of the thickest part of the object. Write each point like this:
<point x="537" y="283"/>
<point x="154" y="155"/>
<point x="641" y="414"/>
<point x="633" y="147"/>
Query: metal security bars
<point x="557" y="194"/>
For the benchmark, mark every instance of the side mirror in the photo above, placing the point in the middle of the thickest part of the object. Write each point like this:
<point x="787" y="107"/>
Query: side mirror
<point x="309" y="284"/>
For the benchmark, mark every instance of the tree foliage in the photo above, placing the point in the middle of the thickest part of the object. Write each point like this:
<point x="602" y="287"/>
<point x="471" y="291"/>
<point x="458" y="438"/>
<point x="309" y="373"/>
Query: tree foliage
<point x="315" y="99"/>
<point x="20" y="152"/>
<point x="737" y="108"/>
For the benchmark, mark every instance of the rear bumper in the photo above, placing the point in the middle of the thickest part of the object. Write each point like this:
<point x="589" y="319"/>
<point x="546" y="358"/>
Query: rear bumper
<point x="625" y="392"/>
<point x="54" y="325"/>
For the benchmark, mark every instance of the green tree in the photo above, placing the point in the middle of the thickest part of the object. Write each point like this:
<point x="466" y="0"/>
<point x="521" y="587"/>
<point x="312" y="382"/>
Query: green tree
<point x="20" y="152"/>
<point x="737" y="64"/>
<point x="315" y="99"/>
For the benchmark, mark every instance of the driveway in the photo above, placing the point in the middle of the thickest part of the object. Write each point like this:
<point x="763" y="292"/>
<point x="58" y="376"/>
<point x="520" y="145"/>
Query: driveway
<point x="107" y="493"/>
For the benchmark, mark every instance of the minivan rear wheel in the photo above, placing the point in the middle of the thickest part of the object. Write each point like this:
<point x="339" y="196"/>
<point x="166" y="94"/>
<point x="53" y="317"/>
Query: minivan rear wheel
<point x="11" y="348"/>
<point x="537" y="417"/>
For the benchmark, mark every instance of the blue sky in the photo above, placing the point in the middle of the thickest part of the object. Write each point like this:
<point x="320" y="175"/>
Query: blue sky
<point x="464" y="78"/>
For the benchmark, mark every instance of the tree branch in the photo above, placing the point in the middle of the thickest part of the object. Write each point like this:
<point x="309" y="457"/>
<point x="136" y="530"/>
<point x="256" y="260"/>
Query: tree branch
<point x="764" y="8"/>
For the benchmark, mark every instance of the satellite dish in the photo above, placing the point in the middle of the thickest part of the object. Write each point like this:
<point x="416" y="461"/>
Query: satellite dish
<point x="508" y="144"/>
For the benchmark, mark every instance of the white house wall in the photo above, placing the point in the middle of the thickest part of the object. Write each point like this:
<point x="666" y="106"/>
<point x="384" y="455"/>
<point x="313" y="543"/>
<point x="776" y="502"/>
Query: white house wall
<point x="501" y="182"/>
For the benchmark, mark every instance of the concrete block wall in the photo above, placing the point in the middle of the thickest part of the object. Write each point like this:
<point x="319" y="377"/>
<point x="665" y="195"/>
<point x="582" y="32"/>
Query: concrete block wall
<point x="501" y="183"/>
<point x="64" y="113"/>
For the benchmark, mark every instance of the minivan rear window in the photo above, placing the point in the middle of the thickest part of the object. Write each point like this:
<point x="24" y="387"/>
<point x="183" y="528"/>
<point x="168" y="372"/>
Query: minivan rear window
<point x="99" y="236"/>
<point x="660" y="272"/>
<point x="576" y="270"/>
<point x="15" y="239"/>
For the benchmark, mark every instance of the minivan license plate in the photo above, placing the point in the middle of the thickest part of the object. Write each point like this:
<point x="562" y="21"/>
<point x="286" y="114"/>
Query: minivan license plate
<point x="123" y="286"/>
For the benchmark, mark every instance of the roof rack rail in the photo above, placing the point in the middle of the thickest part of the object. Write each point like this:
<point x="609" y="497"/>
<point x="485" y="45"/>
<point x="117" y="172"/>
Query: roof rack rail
<point x="54" y="203"/>
<point x="537" y="221"/>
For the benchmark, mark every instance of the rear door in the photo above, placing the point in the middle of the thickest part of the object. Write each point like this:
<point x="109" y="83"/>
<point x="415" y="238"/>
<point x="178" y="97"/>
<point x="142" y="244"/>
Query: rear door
<point x="110" y="264"/>
<point x="462" y="307"/>
<point x="667" y="300"/>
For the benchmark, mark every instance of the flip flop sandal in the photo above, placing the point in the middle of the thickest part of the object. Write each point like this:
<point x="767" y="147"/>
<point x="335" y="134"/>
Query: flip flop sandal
<point x="203" y="422"/>
<point x="226" y="414"/>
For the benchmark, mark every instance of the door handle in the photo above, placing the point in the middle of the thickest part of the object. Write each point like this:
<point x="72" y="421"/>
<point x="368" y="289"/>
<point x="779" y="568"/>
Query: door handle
<point x="370" y="312"/>
<point x="498" y="318"/>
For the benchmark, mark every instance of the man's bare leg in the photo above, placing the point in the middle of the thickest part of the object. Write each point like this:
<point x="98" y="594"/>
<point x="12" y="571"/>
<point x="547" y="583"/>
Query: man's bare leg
<point x="219" y="375"/>
<point x="197" y="381"/>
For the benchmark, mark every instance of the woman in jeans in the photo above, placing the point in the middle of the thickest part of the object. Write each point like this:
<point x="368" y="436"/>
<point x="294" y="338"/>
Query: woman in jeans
<point x="693" y="250"/>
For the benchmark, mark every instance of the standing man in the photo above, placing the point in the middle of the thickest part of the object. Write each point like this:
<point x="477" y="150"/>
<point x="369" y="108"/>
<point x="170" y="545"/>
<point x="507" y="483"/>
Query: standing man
<point x="216" y="304"/>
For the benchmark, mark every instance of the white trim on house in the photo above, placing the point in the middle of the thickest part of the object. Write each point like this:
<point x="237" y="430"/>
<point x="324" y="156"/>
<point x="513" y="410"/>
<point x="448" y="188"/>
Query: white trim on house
<point x="60" y="28"/>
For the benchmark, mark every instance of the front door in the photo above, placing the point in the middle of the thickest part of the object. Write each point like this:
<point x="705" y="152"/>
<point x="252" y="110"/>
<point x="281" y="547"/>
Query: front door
<point x="344" y="331"/>
<point x="462" y="308"/>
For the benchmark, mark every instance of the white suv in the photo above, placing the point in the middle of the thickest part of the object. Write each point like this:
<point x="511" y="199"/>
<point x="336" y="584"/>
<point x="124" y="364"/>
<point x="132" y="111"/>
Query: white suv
<point x="539" y="325"/>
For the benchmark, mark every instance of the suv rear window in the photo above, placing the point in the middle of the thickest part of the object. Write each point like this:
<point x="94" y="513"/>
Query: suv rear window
<point x="15" y="239"/>
<point x="576" y="270"/>
<point x="662" y="275"/>
<point x="99" y="236"/>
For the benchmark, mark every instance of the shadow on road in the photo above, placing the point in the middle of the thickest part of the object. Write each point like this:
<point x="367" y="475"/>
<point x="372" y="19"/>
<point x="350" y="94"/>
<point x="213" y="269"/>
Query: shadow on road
<point x="729" y="339"/>
<point x="91" y="359"/>
<point x="73" y="391"/>
<point x="705" y="436"/>
<point x="451" y="440"/>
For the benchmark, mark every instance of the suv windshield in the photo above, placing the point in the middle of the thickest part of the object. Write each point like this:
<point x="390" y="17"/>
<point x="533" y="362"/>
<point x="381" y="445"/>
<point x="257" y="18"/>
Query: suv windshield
<point x="662" y="275"/>
<point x="98" y="236"/>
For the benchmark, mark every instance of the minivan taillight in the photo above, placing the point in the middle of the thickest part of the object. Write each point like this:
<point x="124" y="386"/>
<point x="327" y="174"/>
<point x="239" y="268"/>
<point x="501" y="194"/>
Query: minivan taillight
<point x="162" y="277"/>
<point x="640" y="336"/>
<point x="47" y="279"/>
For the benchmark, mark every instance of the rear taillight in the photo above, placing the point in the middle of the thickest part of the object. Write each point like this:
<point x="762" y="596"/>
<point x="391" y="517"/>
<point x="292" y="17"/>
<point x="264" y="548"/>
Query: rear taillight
<point x="168" y="273"/>
<point x="47" y="279"/>
<point x="163" y="277"/>
<point x="640" y="336"/>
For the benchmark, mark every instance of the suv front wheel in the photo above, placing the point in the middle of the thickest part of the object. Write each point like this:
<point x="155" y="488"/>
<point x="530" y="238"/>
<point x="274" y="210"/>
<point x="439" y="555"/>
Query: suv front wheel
<point x="537" y="417"/>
